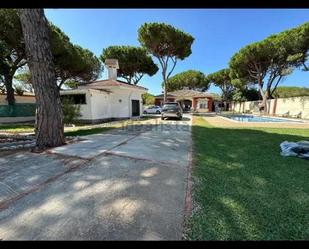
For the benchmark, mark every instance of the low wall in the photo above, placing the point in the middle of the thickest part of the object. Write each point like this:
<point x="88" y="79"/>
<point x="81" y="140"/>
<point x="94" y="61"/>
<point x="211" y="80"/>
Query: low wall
<point x="293" y="105"/>
<point x="18" y="99"/>
<point x="18" y="110"/>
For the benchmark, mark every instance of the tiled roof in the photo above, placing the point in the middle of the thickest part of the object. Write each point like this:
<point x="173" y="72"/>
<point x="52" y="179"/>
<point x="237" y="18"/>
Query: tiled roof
<point x="103" y="83"/>
<point x="186" y="93"/>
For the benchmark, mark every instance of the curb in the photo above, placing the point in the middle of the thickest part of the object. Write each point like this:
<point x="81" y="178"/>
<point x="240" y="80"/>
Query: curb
<point x="188" y="193"/>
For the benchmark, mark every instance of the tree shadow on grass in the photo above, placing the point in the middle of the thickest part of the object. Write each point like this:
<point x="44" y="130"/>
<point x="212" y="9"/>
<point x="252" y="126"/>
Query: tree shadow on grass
<point x="244" y="189"/>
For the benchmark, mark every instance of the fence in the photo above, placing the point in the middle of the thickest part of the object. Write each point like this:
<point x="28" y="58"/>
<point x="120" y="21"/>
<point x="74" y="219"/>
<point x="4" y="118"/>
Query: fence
<point x="18" y="110"/>
<point x="293" y="106"/>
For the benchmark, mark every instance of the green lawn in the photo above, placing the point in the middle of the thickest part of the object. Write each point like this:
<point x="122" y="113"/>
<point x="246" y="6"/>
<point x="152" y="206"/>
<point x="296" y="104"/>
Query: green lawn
<point x="16" y="128"/>
<point x="79" y="129"/>
<point x="243" y="189"/>
<point x="89" y="131"/>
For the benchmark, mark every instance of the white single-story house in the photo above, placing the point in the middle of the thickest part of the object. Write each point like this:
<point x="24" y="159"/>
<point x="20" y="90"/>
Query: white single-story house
<point x="110" y="99"/>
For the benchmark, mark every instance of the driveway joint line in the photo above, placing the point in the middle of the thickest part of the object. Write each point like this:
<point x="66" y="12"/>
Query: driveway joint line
<point x="73" y="163"/>
<point x="139" y="158"/>
<point x="108" y="150"/>
<point x="64" y="156"/>
<point x="6" y="203"/>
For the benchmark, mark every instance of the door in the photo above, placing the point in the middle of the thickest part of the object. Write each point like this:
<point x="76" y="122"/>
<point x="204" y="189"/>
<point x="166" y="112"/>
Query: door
<point x="135" y="108"/>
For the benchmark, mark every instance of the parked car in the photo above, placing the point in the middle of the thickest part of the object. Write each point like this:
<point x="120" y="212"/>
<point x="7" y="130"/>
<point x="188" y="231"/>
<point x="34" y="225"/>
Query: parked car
<point x="171" y="110"/>
<point x="154" y="109"/>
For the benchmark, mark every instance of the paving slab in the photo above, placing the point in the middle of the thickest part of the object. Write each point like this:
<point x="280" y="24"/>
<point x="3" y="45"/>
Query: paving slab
<point x="23" y="171"/>
<point x="171" y="149"/>
<point x="134" y="191"/>
<point x="92" y="145"/>
<point x="110" y="199"/>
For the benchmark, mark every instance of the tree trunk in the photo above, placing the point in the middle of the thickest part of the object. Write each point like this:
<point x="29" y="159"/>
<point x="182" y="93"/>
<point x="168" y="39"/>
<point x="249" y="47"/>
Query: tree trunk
<point x="264" y="98"/>
<point x="264" y="102"/>
<point x="49" y="117"/>
<point x="224" y="104"/>
<point x="165" y="93"/>
<point x="165" y="90"/>
<point x="61" y="83"/>
<point x="8" y="81"/>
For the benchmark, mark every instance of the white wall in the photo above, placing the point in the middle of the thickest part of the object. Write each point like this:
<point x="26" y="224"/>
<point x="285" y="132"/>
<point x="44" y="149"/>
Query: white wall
<point x="103" y="105"/>
<point x="292" y="105"/>
<point x="99" y="102"/>
<point x="123" y="109"/>
<point x="120" y="104"/>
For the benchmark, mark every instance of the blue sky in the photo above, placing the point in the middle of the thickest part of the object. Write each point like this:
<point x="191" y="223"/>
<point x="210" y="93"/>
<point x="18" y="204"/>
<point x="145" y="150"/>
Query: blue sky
<point x="218" y="33"/>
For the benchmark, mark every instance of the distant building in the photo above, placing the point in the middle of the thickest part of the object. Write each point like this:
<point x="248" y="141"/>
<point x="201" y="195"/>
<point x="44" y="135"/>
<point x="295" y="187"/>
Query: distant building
<point x="191" y="100"/>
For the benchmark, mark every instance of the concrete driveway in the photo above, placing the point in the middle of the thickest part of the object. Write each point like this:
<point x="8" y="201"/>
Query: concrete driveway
<point x="128" y="184"/>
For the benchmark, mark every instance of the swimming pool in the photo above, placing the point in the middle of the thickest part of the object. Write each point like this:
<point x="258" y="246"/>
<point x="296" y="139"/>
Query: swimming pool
<point x="251" y="118"/>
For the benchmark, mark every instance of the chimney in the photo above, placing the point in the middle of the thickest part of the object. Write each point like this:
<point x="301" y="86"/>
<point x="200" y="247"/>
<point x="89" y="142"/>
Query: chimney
<point x="112" y="66"/>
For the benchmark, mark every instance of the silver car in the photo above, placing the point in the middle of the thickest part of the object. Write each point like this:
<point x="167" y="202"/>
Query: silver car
<point x="154" y="109"/>
<point x="171" y="110"/>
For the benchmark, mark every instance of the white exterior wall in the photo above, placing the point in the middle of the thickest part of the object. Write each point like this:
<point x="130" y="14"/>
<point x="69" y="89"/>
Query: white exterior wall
<point x="292" y="105"/>
<point x="85" y="109"/>
<point x="120" y="109"/>
<point x="103" y="105"/>
<point x="123" y="109"/>
<point x="99" y="103"/>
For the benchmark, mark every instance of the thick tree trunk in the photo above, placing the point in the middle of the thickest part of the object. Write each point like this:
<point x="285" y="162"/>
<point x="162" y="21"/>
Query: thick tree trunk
<point x="49" y="117"/>
<point x="165" y="90"/>
<point x="8" y="81"/>
<point x="264" y="98"/>
<point x="165" y="93"/>
<point x="264" y="102"/>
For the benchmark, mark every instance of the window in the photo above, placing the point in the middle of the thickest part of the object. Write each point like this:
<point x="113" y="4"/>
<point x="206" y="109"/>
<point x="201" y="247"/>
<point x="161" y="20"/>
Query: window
<point x="77" y="99"/>
<point x="171" y="106"/>
<point x="203" y="104"/>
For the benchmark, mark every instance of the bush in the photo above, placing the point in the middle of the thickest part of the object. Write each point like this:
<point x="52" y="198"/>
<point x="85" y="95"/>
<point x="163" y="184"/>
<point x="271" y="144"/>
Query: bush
<point x="19" y="90"/>
<point x="70" y="111"/>
<point x="290" y="91"/>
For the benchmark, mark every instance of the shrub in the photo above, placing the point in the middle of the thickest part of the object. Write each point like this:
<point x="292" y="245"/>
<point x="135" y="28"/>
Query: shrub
<point x="70" y="111"/>
<point x="290" y="91"/>
<point x="19" y="90"/>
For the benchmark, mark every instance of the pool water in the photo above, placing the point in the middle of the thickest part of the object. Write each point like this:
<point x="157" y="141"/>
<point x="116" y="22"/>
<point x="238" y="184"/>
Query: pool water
<point x="251" y="118"/>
